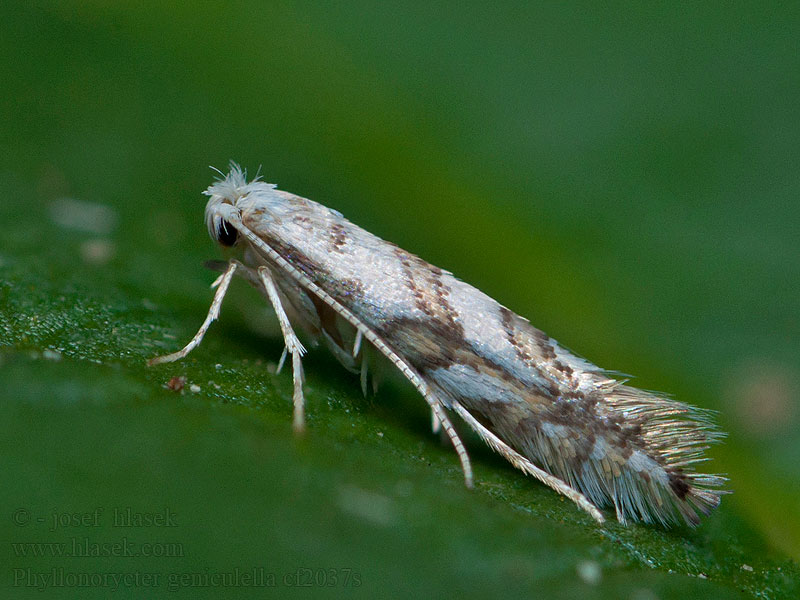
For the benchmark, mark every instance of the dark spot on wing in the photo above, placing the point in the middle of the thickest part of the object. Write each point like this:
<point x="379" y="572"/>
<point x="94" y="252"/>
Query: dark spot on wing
<point x="338" y="237"/>
<point x="678" y="484"/>
<point x="545" y="343"/>
<point x="297" y="259"/>
<point x="507" y="318"/>
<point x="565" y="369"/>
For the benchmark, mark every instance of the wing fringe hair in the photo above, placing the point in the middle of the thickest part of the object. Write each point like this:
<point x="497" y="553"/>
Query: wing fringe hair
<point x="655" y="480"/>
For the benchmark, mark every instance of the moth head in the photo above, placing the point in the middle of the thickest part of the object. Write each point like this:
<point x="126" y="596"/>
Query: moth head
<point x="225" y="195"/>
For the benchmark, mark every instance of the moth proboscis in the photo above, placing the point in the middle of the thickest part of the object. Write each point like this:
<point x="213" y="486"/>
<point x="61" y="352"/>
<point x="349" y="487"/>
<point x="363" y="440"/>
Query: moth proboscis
<point x="571" y="425"/>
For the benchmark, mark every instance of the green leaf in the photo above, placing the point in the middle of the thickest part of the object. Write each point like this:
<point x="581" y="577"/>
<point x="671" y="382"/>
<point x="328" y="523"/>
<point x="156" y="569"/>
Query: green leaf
<point x="617" y="179"/>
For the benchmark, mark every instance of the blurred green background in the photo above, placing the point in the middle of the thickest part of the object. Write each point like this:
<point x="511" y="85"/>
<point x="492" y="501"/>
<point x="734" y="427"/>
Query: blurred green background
<point x="625" y="177"/>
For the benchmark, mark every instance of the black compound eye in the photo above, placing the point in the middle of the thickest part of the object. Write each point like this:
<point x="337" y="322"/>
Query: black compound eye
<point x="226" y="234"/>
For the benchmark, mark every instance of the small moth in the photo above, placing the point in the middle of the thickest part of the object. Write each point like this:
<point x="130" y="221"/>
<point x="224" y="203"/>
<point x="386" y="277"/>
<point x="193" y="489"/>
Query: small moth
<point x="571" y="425"/>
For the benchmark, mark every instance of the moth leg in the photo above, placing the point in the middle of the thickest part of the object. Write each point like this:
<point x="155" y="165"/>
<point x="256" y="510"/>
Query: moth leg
<point x="523" y="464"/>
<point x="282" y="360"/>
<point x="436" y="427"/>
<point x="357" y="343"/>
<point x="293" y="347"/>
<point x="364" y="375"/>
<point x="408" y="372"/>
<point x="222" y="283"/>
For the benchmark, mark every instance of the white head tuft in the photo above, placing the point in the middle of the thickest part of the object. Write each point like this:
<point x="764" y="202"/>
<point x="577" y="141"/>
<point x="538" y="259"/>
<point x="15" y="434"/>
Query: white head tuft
<point x="234" y="185"/>
<point x="229" y="189"/>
